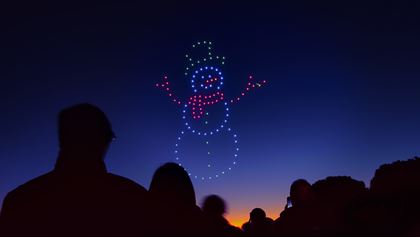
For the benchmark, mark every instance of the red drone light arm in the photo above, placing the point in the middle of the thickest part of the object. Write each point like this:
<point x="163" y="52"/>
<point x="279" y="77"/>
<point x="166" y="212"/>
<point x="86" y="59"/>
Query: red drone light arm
<point x="251" y="85"/>
<point x="166" y="88"/>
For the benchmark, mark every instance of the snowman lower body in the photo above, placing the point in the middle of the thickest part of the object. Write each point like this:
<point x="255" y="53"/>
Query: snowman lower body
<point x="207" y="157"/>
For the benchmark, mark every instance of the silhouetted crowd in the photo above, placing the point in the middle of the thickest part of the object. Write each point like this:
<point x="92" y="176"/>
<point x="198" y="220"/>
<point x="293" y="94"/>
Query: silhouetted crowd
<point x="80" y="198"/>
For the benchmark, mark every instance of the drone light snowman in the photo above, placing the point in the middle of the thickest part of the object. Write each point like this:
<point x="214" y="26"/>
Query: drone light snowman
<point x="207" y="80"/>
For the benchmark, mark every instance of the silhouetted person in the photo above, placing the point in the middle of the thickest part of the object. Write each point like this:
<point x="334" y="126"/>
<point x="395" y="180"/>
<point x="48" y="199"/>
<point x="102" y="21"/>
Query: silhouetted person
<point x="259" y="224"/>
<point x="301" y="218"/>
<point x="78" y="197"/>
<point x="174" y="204"/>
<point x="214" y="208"/>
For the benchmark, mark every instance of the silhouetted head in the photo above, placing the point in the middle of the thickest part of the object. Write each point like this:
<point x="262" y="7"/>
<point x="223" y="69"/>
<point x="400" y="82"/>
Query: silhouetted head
<point x="300" y="192"/>
<point x="172" y="185"/>
<point x="257" y="215"/>
<point x="214" y="205"/>
<point x="84" y="128"/>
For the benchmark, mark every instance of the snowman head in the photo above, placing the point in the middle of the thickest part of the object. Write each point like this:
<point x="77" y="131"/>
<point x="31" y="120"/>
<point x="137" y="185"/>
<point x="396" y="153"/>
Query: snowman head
<point x="204" y="68"/>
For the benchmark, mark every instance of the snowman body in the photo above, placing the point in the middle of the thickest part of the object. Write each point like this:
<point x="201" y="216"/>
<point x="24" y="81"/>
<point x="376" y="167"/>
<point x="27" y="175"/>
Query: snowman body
<point x="206" y="127"/>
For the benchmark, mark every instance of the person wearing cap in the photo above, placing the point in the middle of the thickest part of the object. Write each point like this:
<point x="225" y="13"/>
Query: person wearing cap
<point x="78" y="197"/>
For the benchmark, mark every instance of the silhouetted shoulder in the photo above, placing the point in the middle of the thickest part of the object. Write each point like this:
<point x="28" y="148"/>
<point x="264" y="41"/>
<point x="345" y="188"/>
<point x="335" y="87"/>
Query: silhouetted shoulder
<point x="19" y="203"/>
<point x="30" y="187"/>
<point x="126" y="183"/>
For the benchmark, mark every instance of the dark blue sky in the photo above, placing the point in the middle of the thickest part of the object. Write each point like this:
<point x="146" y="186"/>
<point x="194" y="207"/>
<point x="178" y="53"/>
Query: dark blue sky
<point x="342" y="94"/>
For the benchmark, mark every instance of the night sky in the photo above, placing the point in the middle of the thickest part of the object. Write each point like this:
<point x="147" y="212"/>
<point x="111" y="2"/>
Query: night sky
<point x="342" y="98"/>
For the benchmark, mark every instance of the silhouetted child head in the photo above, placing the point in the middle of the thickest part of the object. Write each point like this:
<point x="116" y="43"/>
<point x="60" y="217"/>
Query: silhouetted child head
<point x="172" y="185"/>
<point x="214" y="205"/>
<point x="84" y="127"/>
<point x="257" y="215"/>
<point x="300" y="192"/>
